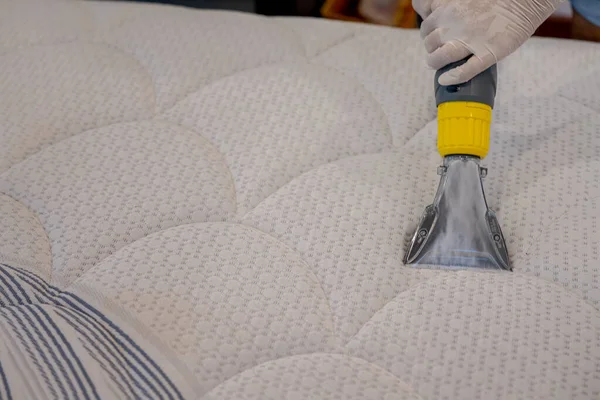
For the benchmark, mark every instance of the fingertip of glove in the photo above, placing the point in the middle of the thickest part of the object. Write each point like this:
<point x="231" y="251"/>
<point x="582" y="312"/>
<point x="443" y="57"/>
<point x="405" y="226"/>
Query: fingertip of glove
<point x="449" y="78"/>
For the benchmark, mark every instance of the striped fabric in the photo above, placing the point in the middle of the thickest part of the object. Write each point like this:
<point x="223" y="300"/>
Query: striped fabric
<point x="55" y="345"/>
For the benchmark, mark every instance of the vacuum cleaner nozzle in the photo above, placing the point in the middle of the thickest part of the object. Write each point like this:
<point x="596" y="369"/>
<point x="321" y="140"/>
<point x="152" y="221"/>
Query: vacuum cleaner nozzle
<point x="458" y="229"/>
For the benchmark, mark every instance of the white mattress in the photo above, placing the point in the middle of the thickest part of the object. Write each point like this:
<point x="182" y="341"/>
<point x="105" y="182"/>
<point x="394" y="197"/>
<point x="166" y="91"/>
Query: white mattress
<point x="201" y="204"/>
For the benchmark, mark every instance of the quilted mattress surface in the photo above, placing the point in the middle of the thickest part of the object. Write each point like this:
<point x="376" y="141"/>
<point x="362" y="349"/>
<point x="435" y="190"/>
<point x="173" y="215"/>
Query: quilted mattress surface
<point x="201" y="204"/>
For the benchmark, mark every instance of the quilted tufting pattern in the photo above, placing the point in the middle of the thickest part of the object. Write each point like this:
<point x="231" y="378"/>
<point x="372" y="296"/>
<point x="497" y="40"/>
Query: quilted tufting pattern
<point x="235" y="193"/>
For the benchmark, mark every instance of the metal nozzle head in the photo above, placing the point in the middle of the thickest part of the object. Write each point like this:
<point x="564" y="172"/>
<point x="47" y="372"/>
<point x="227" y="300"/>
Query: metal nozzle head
<point x="458" y="229"/>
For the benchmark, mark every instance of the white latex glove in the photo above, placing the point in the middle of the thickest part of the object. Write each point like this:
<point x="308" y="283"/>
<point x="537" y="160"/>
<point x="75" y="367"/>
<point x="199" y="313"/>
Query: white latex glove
<point x="488" y="29"/>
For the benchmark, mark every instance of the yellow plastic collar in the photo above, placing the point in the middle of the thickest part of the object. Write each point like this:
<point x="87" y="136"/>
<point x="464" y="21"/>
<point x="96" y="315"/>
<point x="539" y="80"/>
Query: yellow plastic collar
<point x="464" y="128"/>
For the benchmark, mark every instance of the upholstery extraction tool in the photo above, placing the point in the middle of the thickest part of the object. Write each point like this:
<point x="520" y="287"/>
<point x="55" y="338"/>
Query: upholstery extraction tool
<point x="459" y="230"/>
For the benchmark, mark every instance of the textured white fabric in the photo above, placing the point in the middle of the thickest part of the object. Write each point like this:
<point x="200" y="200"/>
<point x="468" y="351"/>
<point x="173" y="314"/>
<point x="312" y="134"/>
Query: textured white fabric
<point x="238" y="192"/>
<point x="315" y="376"/>
<point x="230" y="301"/>
<point x="23" y="241"/>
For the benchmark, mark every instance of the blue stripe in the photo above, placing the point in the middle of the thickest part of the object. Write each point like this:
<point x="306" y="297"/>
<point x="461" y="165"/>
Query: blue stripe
<point x="45" y="286"/>
<point x="107" y="342"/>
<point x="79" y="325"/>
<point x="40" y="300"/>
<point x="4" y="294"/>
<point x="41" y="338"/>
<point x="8" y="288"/>
<point x="117" y="344"/>
<point x="74" y="354"/>
<point x="110" y="374"/>
<point x="35" y="284"/>
<point x="122" y="345"/>
<point x="26" y="276"/>
<point x="109" y="338"/>
<point x="4" y="384"/>
<point x="66" y="344"/>
<point x="136" y="347"/>
<point x="62" y="296"/>
<point x="18" y="285"/>
<point x="53" y="349"/>
<point x="32" y="354"/>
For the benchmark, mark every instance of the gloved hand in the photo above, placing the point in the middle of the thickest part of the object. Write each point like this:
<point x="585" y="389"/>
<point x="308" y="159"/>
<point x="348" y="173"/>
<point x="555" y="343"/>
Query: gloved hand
<point x="487" y="29"/>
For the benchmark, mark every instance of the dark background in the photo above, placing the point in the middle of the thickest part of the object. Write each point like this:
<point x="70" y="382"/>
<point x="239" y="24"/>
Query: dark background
<point x="560" y="25"/>
<point x="266" y="7"/>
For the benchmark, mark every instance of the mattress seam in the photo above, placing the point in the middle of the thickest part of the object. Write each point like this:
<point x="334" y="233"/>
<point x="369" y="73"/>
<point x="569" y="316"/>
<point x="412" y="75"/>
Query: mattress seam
<point x="528" y="277"/>
<point x="293" y="356"/>
<point x="166" y="122"/>
<point x="561" y="287"/>
<point x="354" y="80"/>
<point x="108" y="27"/>
<point x="27" y="157"/>
<point x="390" y="150"/>
<point x="576" y="101"/>
<point x="9" y="260"/>
<point x="39" y="221"/>
<point x="343" y="40"/>
<point x="231" y="223"/>
<point x="543" y="230"/>
<point x="275" y="22"/>
<point x="162" y="113"/>
<point x="137" y="61"/>
<point x="40" y="45"/>
<point x="304" y="262"/>
<point x="215" y="148"/>
<point x="424" y="282"/>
